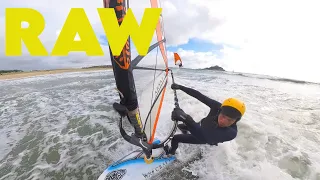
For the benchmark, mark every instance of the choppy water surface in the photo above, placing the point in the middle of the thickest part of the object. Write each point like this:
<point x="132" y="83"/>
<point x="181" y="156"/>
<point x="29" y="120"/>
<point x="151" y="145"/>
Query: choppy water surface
<point x="63" y="127"/>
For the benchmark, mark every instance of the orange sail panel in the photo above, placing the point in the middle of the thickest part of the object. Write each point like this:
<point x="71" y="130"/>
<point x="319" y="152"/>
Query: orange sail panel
<point x="154" y="4"/>
<point x="177" y="59"/>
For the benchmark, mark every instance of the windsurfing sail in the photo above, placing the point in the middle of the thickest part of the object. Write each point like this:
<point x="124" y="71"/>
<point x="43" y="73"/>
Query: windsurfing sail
<point x="177" y="59"/>
<point x="142" y="82"/>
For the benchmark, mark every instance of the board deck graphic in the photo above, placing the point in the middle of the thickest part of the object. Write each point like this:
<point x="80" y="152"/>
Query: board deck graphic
<point x="133" y="167"/>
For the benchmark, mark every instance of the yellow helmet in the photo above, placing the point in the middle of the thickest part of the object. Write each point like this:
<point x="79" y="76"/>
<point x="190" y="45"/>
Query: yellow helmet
<point x="233" y="108"/>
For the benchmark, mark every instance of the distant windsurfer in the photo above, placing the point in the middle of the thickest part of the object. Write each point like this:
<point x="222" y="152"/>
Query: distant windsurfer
<point x="177" y="60"/>
<point x="219" y="126"/>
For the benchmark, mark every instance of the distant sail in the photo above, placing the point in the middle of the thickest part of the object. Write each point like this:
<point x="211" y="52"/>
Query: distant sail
<point x="177" y="59"/>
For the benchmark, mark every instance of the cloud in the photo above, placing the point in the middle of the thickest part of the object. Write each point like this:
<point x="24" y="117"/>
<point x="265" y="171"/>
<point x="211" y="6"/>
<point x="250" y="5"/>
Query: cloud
<point x="55" y="15"/>
<point x="198" y="46"/>
<point x="187" y="19"/>
<point x="271" y="37"/>
<point x="266" y="37"/>
<point x="196" y="60"/>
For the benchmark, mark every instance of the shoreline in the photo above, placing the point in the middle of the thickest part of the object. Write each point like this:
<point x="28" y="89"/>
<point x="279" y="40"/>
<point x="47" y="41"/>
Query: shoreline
<point x="16" y="75"/>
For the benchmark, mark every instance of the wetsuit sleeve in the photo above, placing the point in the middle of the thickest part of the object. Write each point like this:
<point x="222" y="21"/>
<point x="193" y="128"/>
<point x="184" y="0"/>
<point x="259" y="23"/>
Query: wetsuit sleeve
<point x="204" y="99"/>
<point x="194" y="128"/>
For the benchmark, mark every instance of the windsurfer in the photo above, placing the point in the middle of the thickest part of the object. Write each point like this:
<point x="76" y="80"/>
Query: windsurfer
<point x="219" y="126"/>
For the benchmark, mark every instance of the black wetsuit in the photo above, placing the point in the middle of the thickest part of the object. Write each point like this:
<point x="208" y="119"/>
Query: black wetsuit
<point x="207" y="130"/>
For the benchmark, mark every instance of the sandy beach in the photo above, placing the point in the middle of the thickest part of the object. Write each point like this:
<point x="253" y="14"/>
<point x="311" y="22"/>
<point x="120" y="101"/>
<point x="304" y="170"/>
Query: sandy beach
<point x="15" y="75"/>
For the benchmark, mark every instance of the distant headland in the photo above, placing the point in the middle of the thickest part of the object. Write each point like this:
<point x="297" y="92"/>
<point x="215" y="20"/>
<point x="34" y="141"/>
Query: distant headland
<point x="216" y="68"/>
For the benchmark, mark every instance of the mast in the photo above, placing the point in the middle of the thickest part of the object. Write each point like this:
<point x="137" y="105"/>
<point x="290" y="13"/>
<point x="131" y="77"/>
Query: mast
<point x="124" y="78"/>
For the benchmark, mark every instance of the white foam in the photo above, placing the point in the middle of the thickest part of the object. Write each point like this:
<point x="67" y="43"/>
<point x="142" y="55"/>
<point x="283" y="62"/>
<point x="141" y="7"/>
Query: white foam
<point x="278" y="137"/>
<point x="253" y="155"/>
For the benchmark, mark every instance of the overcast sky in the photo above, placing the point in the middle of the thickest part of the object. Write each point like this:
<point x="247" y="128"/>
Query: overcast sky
<point x="273" y="37"/>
